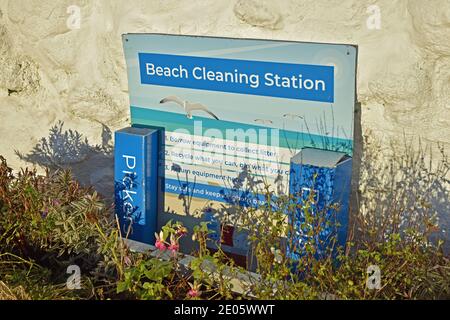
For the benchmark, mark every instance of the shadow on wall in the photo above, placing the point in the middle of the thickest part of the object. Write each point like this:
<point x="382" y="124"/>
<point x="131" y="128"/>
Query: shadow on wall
<point x="404" y="188"/>
<point x="394" y="192"/>
<point x="358" y="147"/>
<point x="91" y="165"/>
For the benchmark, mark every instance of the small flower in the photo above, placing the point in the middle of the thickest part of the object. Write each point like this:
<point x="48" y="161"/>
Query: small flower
<point x="159" y="244"/>
<point x="56" y="202"/>
<point x="173" y="247"/>
<point x="173" y="243"/>
<point x="194" y="292"/>
<point x="127" y="261"/>
<point x="181" y="231"/>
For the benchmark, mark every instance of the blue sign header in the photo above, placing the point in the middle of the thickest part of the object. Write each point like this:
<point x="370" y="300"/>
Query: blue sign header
<point x="273" y="79"/>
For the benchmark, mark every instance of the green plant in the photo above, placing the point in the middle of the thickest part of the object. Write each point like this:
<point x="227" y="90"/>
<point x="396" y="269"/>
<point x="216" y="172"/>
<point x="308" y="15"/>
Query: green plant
<point x="52" y="220"/>
<point x="49" y="222"/>
<point x="211" y="269"/>
<point x="146" y="280"/>
<point x="157" y="277"/>
<point x="25" y="279"/>
<point x="50" y="213"/>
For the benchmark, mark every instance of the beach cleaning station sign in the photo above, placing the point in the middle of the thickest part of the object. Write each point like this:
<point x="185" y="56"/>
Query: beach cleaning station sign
<point x="235" y="111"/>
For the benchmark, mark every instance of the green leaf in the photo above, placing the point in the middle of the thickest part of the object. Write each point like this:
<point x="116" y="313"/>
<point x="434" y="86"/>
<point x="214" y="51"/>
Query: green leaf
<point x="121" y="286"/>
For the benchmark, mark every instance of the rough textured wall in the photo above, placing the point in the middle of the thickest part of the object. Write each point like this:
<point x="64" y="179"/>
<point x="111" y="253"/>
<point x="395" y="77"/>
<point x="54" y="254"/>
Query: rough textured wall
<point x="49" y="72"/>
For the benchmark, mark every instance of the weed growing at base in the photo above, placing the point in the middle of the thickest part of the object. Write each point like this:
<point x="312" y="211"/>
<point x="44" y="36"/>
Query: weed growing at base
<point x="50" y="222"/>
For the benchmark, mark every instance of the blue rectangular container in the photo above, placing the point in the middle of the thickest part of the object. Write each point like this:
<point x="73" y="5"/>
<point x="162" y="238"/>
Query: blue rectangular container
<point x="136" y="182"/>
<point x="328" y="175"/>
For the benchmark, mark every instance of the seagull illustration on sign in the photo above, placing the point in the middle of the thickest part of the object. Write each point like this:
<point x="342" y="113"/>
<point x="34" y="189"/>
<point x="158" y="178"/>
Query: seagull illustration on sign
<point x="188" y="106"/>
<point x="263" y="121"/>
<point x="292" y="116"/>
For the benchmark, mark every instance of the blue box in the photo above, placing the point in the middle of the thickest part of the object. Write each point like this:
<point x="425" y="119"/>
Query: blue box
<point x="136" y="182"/>
<point x="328" y="175"/>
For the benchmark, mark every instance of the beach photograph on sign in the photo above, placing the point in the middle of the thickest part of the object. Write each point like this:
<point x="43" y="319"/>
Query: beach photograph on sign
<point x="249" y="150"/>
